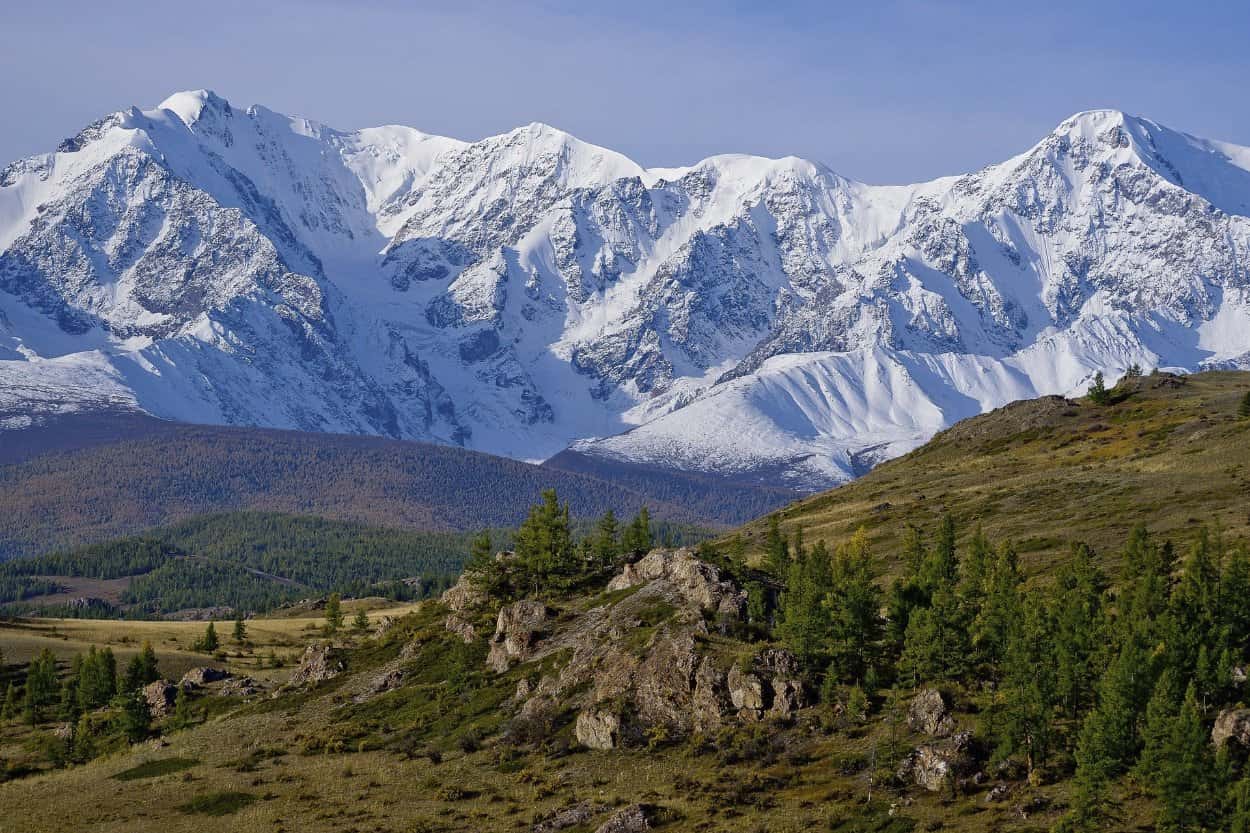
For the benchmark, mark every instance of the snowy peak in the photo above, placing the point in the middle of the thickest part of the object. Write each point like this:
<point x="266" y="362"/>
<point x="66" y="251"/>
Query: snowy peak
<point x="758" y="318"/>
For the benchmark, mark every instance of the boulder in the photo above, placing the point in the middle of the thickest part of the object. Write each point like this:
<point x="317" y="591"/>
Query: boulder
<point x="386" y="681"/>
<point x="665" y="681"/>
<point x="697" y="581"/>
<point x="202" y="676"/>
<point x="516" y="630"/>
<point x="318" y="664"/>
<point x="160" y="695"/>
<point x="570" y="816"/>
<point x="598" y="729"/>
<point x="1234" y="725"/>
<point x="382" y="625"/>
<point x="630" y="819"/>
<point x="935" y="766"/>
<point x="929" y="714"/>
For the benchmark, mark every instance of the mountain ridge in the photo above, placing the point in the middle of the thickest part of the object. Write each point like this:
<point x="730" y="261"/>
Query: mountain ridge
<point x="529" y="292"/>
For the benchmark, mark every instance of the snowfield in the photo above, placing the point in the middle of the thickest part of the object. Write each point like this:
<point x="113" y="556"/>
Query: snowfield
<point x="758" y="318"/>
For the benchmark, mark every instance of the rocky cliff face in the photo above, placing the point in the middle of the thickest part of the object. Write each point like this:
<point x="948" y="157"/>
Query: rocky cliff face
<point x="752" y="317"/>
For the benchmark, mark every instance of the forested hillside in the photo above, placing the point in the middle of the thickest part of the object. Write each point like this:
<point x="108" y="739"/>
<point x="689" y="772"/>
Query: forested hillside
<point x="91" y="479"/>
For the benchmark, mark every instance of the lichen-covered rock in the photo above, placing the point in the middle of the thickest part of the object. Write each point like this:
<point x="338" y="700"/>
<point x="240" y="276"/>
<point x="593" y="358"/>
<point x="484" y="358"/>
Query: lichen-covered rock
<point x="202" y="676"/>
<point x="461" y="627"/>
<point x="665" y="682"/>
<point x="781" y="669"/>
<point x="630" y="819"/>
<point x="697" y="581"/>
<point x="709" y="702"/>
<point x="382" y="625"/>
<point x="1234" y="725"/>
<point x="464" y="595"/>
<point x="598" y="729"/>
<point x="928" y="714"/>
<point x="935" y="766"/>
<point x="318" y="664"/>
<point x="516" y="631"/>
<point x="388" y="680"/>
<point x="240" y="687"/>
<point x="160" y="696"/>
<point x="746" y="692"/>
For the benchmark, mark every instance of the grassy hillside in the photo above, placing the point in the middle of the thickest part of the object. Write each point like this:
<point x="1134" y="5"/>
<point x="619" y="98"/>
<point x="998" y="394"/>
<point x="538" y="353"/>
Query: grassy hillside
<point x="92" y="478"/>
<point x="1170" y="452"/>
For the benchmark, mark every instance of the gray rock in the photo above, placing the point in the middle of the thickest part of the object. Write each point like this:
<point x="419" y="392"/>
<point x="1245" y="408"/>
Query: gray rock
<point x="161" y="695"/>
<point x="631" y="819"/>
<point x="202" y="676"/>
<point x="936" y="766"/>
<point x="928" y="714"/>
<point x="571" y="816"/>
<point x="1232" y="725"/>
<point x="516" y="631"/>
<point x="598" y="729"/>
<point x="318" y="664"/>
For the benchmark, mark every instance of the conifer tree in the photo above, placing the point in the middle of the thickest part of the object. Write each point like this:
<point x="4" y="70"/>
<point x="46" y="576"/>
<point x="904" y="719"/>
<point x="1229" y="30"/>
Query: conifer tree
<point x="360" y="622"/>
<point x="142" y="668"/>
<point x="606" y="544"/>
<point x="240" y="629"/>
<point x="334" y="614"/>
<point x="182" y="716"/>
<point x="134" y="718"/>
<point x="776" y="548"/>
<point x="1000" y="611"/>
<point x="1156" y="731"/>
<point x="852" y="606"/>
<point x="1243" y="410"/>
<point x="1187" y="780"/>
<point x="638" y="537"/>
<point x="42" y="690"/>
<point x="544" y="544"/>
<point x="12" y="704"/>
<point x="1109" y="741"/>
<point x="1077" y="635"/>
<point x="1028" y="688"/>
<point x="804" y="625"/>
<point x="1098" y="393"/>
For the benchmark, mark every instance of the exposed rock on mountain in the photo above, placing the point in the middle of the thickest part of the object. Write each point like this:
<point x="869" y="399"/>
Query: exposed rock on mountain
<point x="746" y="317"/>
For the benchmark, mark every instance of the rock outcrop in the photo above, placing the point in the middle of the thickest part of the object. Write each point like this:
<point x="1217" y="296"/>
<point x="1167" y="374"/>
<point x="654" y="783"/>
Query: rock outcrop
<point x="773" y="686"/>
<point x="936" y="766"/>
<point x="697" y="581"/>
<point x="566" y="817"/>
<point x="598" y="729"/>
<point x="1232" y="725"/>
<point x="929" y="714"/>
<point x="160" y="696"/>
<point x="318" y="664"/>
<point x="516" y="631"/>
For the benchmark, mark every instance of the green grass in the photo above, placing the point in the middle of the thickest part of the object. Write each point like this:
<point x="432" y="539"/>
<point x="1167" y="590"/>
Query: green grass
<point x="1047" y="473"/>
<point x="218" y="804"/>
<point x="152" y="769"/>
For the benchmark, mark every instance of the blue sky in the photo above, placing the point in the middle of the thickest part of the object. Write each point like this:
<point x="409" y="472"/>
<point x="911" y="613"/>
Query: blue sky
<point x="882" y="92"/>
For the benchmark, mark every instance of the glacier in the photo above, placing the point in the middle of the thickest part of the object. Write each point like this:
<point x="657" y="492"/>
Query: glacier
<point x="759" y="319"/>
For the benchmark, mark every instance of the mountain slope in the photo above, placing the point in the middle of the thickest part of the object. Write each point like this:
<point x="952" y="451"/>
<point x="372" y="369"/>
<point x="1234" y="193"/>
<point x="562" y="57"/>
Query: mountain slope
<point x="743" y="317"/>
<point x="1170" y="452"/>
<point x="98" y="477"/>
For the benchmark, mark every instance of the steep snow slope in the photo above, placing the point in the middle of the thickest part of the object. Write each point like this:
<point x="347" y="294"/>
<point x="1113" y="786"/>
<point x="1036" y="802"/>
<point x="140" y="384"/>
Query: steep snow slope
<point x="755" y="317"/>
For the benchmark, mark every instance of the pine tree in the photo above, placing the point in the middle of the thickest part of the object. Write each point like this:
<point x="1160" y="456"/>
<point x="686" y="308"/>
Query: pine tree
<point x="12" y="703"/>
<point x="1078" y="623"/>
<point x="182" y="716"/>
<point x="638" y="537"/>
<point x="96" y="679"/>
<point x="606" y="544"/>
<point x="1108" y="740"/>
<point x="1028" y="689"/>
<point x="544" y="544"/>
<point x="1243" y="410"/>
<point x="334" y="613"/>
<point x="42" y="690"/>
<point x="240" y="629"/>
<point x="1239" y="806"/>
<point x="134" y="718"/>
<point x="936" y="645"/>
<point x="1156" y="729"/>
<point x="805" y="618"/>
<point x="1001" y="609"/>
<point x="852" y="609"/>
<point x="360" y="623"/>
<point x="1098" y="393"/>
<point x="142" y="668"/>
<point x="776" y="548"/>
<point x="1187" y="784"/>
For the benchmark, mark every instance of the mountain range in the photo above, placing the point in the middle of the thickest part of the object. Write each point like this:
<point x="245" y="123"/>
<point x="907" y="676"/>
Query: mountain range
<point x="764" y="320"/>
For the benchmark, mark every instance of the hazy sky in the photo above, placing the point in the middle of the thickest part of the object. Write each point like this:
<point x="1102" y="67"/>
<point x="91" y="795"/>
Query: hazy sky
<point x="879" y="91"/>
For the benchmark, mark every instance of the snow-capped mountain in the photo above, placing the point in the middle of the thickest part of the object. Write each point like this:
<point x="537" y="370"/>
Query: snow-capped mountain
<point x="527" y="292"/>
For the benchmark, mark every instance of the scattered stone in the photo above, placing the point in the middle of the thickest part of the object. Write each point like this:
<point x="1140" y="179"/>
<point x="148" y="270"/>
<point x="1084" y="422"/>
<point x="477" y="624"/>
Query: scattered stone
<point x="930" y="715"/>
<point x="516" y="631"/>
<point x="202" y="676"/>
<point x="1234" y="725"/>
<point x="598" y="729"/>
<point x="630" y="819"/>
<point x="240" y="687"/>
<point x="160" y="695"/>
<point x="318" y="664"/>
<point x="464" y="595"/>
<point x="571" y="816"/>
